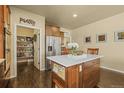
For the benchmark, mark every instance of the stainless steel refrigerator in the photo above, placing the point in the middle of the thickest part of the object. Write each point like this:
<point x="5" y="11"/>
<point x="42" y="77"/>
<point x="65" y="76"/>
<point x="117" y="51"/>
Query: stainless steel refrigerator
<point x="53" y="47"/>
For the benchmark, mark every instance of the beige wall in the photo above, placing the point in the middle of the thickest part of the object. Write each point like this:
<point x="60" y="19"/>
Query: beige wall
<point x="40" y="23"/>
<point x="112" y="51"/>
<point x="21" y="31"/>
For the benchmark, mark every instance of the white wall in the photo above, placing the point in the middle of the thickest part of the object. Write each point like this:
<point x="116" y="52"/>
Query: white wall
<point x="40" y="23"/>
<point x="21" y="31"/>
<point x="112" y="51"/>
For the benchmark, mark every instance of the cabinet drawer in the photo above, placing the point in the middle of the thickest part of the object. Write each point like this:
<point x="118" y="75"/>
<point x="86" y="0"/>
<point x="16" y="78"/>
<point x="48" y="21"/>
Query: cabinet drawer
<point x="91" y="63"/>
<point x="59" y="70"/>
<point x="58" y="81"/>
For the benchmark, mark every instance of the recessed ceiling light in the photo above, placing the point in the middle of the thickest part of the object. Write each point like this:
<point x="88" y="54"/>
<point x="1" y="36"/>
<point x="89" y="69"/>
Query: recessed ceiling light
<point x="74" y="15"/>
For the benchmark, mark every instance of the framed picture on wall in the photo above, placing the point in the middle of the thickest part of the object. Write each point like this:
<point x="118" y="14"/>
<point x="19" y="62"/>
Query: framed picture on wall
<point x="101" y="37"/>
<point x="119" y="36"/>
<point x="87" y="39"/>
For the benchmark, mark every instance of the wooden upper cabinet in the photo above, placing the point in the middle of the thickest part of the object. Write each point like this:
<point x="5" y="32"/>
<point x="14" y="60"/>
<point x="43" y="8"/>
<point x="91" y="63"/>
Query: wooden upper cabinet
<point x="55" y="31"/>
<point x="52" y="31"/>
<point x="62" y="34"/>
<point x="1" y="12"/>
<point x="1" y="18"/>
<point x="6" y="15"/>
<point x="62" y="38"/>
<point x="48" y="31"/>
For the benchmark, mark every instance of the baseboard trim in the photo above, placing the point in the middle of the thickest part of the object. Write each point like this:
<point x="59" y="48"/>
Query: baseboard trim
<point x="113" y="69"/>
<point x="99" y="86"/>
<point x="12" y="77"/>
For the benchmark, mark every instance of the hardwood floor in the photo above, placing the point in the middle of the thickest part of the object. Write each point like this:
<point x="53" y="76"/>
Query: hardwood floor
<point x="30" y="77"/>
<point x="111" y="79"/>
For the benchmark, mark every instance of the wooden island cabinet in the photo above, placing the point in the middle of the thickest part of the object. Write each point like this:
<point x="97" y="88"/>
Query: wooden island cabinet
<point x="77" y="73"/>
<point x="66" y="77"/>
<point x="90" y="73"/>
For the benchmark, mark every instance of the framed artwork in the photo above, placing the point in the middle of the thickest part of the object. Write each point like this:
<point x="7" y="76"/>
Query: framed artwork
<point x="119" y="36"/>
<point x="101" y="38"/>
<point x="87" y="39"/>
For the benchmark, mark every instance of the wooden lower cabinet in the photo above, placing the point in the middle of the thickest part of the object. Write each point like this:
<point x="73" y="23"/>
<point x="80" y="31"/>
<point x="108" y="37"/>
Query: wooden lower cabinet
<point x="85" y="75"/>
<point x="57" y="81"/>
<point x="71" y="78"/>
<point x="90" y="74"/>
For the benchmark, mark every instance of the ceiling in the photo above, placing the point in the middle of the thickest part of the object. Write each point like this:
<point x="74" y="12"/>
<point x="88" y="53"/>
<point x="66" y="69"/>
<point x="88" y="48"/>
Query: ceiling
<point x="61" y="15"/>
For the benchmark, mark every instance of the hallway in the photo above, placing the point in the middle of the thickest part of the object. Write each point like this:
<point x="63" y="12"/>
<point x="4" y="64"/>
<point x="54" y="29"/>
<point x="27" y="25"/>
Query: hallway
<point x="30" y="77"/>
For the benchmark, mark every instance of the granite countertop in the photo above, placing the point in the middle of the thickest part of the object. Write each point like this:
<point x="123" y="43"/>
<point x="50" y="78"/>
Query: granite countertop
<point x="2" y="60"/>
<point x="69" y="60"/>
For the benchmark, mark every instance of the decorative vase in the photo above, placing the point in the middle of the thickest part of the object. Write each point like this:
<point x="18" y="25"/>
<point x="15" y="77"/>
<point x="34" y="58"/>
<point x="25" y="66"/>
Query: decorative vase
<point x="73" y="47"/>
<point x="73" y="51"/>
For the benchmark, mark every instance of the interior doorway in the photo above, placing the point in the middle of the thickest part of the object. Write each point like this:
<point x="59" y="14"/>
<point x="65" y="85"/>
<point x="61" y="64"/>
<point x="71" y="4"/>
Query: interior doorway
<point x="27" y="46"/>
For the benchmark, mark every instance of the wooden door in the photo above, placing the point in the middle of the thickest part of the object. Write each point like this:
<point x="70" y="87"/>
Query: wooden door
<point x="1" y="32"/>
<point x="37" y="50"/>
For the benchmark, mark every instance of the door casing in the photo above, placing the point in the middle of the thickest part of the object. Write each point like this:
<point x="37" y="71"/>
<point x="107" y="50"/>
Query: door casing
<point x="15" y="45"/>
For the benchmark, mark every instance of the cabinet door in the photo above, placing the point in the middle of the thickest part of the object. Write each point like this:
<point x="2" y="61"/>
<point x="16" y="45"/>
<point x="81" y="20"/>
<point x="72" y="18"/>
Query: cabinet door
<point x="55" y="31"/>
<point x="37" y="51"/>
<point x="1" y="19"/>
<point x="6" y="15"/>
<point x="72" y="76"/>
<point x="91" y="73"/>
<point x="1" y="33"/>
<point x="49" y="31"/>
<point x="62" y="38"/>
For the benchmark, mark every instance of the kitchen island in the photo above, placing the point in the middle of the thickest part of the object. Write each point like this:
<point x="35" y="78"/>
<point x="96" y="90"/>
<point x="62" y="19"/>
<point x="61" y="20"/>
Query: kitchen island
<point x="81" y="71"/>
